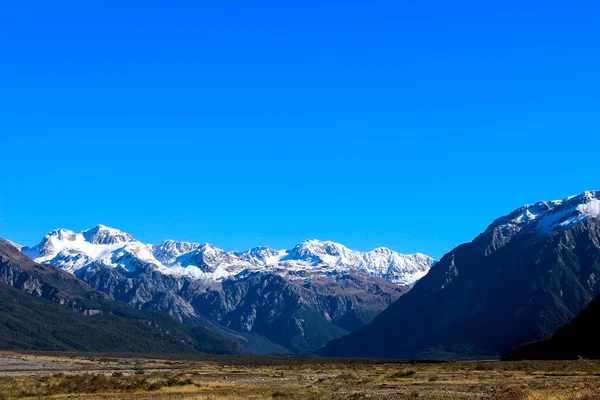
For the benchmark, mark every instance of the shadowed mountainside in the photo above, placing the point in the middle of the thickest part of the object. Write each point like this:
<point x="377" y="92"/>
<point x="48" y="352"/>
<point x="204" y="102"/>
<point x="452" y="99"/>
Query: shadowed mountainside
<point x="579" y="338"/>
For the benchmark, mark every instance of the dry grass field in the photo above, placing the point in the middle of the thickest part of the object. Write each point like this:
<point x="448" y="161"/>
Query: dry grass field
<point x="80" y="376"/>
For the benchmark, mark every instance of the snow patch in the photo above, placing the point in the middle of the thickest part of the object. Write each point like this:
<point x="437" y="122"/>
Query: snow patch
<point x="553" y="216"/>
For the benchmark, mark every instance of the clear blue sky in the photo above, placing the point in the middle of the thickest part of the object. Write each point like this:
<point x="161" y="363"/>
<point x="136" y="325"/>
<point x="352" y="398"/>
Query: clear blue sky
<point x="406" y="124"/>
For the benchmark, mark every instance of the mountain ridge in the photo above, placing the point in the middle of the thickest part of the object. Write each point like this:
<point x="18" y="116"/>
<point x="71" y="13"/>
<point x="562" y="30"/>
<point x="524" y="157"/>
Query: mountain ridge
<point x="525" y="276"/>
<point x="73" y="251"/>
<point x="45" y="308"/>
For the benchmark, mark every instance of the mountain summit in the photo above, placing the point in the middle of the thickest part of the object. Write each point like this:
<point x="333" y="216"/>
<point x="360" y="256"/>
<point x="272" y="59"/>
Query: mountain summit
<point x="546" y="218"/>
<point x="525" y="276"/>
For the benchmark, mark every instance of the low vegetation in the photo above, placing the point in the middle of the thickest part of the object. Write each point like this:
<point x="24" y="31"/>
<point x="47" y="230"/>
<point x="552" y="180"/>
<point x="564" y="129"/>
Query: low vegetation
<point x="227" y="378"/>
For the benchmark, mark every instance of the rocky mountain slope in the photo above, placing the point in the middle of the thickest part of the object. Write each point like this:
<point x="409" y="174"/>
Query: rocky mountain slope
<point x="44" y="308"/>
<point x="525" y="276"/>
<point x="317" y="291"/>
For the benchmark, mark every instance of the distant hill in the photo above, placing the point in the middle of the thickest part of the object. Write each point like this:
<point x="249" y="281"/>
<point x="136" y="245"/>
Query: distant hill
<point x="44" y="308"/>
<point x="524" y="277"/>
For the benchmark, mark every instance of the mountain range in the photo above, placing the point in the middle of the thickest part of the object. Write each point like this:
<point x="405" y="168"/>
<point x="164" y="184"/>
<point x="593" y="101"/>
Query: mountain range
<point x="523" y="288"/>
<point x="529" y="273"/>
<point x="102" y="245"/>
<point x="280" y="301"/>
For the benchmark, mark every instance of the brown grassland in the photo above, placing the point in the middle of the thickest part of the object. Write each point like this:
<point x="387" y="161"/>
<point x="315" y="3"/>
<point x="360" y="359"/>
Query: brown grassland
<point x="120" y="376"/>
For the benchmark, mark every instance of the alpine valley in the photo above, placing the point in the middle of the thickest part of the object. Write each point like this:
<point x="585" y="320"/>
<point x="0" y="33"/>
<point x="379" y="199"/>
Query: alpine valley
<point x="269" y="301"/>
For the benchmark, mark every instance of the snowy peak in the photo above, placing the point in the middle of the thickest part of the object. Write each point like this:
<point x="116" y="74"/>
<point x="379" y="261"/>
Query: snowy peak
<point x="547" y="217"/>
<point x="317" y="252"/>
<point x="101" y="234"/>
<point x="261" y="255"/>
<point x="380" y="262"/>
<point x="197" y="261"/>
<point x="209" y="258"/>
<point x="590" y="204"/>
<point x="168" y="251"/>
<point x="62" y="234"/>
<point x="64" y="239"/>
<point x="394" y="267"/>
<point x="99" y="245"/>
<point x="49" y="243"/>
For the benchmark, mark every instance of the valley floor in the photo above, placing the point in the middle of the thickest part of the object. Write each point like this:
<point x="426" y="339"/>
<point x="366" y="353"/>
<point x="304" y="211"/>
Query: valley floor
<point x="114" y="376"/>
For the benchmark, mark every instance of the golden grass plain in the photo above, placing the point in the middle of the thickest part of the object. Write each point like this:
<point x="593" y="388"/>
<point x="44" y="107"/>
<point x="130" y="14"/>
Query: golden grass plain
<point x="111" y="376"/>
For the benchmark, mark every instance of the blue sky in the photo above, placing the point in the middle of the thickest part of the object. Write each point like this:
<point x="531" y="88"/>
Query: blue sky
<point x="410" y="125"/>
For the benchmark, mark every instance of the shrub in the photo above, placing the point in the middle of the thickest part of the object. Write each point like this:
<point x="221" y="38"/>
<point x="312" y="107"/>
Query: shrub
<point x="485" y="366"/>
<point x="403" y="374"/>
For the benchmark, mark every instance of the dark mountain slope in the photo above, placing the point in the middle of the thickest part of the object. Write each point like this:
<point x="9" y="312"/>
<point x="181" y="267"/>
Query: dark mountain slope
<point x="523" y="278"/>
<point x="44" y="308"/>
<point x="19" y="271"/>
<point x="32" y="323"/>
<point x="579" y="338"/>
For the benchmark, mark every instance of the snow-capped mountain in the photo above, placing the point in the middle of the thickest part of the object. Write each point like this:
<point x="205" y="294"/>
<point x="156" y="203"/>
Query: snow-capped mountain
<point x="544" y="218"/>
<point x="380" y="262"/>
<point x="311" y="256"/>
<point x="280" y="300"/>
<point x="110" y="247"/>
<point x="530" y="272"/>
<point x="99" y="245"/>
<point x="261" y="255"/>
